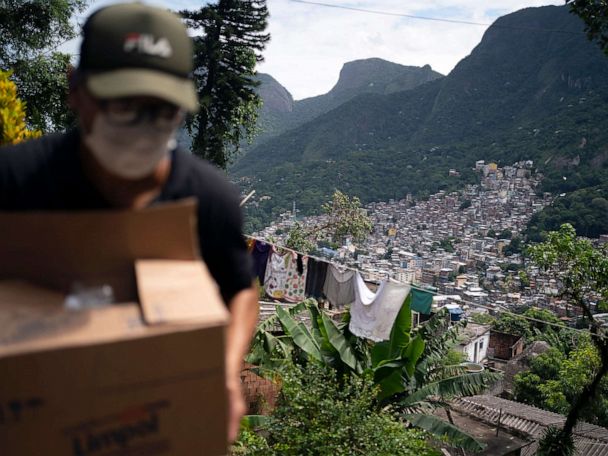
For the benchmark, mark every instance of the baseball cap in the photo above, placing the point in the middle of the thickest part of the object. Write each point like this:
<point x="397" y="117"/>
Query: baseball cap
<point x="132" y="49"/>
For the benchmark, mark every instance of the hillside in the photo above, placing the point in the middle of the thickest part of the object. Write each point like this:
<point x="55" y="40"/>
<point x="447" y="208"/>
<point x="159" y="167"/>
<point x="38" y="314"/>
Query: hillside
<point x="533" y="88"/>
<point x="280" y="112"/>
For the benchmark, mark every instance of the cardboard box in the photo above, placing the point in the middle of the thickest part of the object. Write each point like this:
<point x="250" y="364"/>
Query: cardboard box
<point x="144" y="377"/>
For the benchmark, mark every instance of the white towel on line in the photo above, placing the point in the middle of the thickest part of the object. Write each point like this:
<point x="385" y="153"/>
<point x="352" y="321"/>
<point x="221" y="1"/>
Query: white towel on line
<point x="372" y="315"/>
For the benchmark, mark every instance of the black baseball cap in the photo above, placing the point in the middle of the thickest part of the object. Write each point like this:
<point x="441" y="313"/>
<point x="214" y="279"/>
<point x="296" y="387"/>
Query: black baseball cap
<point x="132" y="49"/>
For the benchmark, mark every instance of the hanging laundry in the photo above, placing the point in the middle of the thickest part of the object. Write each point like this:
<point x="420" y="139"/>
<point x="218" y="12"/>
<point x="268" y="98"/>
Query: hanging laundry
<point x="276" y="274"/>
<point x="339" y="286"/>
<point x="315" y="278"/>
<point x="372" y="315"/>
<point x="260" y="253"/>
<point x="295" y="283"/>
<point x="422" y="301"/>
<point x="250" y="244"/>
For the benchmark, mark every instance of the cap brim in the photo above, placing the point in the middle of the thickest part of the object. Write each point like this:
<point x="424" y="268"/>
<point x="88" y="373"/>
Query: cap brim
<point x="144" y="82"/>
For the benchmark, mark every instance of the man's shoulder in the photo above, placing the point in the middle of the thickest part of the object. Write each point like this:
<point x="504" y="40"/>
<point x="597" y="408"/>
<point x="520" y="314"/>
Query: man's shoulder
<point x="37" y="152"/>
<point x="203" y="179"/>
<point x="32" y="173"/>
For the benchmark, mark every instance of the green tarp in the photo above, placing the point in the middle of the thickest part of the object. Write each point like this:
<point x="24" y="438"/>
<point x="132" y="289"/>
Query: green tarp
<point x="421" y="301"/>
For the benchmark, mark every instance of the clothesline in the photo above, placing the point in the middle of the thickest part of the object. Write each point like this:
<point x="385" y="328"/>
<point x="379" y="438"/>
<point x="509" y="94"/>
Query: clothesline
<point x="500" y="310"/>
<point x="340" y="266"/>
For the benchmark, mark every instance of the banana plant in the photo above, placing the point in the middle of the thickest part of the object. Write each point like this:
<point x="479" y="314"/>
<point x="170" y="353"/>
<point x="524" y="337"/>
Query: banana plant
<point x="407" y="368"/>
<point x="393" y="361"/>
<point x="433" y="384"/>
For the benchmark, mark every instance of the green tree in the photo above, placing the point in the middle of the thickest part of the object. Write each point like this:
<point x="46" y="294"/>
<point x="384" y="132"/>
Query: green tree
<point x="538" y="325"/>
<point x="515" y="246"/>
<point x="555" y="380"/>
<point x="482" y="318"/>
<point x="343" y="216"/>
<point x="233" y="37"/>
<point x="446" y="244"/>
<point x="30" y="31"/>
<point x="298" y="239"/>
<point x="595" y="15"/>
<point x="524" y="280"/>
<point x="544" y="367"/>
<point x="582" y="272"/>
<point x="514" y="324"/>
<point x="505" y="234"/>
<point x="465" y="203"/>
<point x="320" y="413"/>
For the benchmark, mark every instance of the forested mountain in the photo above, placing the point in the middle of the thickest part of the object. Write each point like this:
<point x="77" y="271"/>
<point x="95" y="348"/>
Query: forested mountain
<point x="280" y="112"/>
<point x="534" y="88"/>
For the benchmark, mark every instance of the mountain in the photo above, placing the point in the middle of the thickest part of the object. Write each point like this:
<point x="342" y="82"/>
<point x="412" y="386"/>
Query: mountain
<point x="280" y="113"/>
<point x="534" y="88"/>
<point x="277" y="103"/>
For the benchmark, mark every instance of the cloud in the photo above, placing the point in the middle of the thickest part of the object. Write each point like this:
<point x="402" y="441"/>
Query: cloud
<point x="309" y="44"/>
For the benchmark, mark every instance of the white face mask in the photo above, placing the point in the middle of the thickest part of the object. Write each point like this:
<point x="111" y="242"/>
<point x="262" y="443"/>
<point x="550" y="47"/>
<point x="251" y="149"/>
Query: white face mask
<point x="129" y="151"/>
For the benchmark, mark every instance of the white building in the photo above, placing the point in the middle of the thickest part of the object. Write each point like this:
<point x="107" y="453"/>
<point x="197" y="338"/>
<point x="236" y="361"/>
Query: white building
<point x="474" y="341"/>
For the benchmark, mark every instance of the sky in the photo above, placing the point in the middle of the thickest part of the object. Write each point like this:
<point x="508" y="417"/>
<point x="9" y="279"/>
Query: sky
<point x="310" y="43"/>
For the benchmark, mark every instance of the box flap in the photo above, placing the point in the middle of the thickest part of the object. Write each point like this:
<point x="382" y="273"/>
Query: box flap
<point x="173" y="291"/>
<point x="57" y="249"/>
<point x="34" y="319"/>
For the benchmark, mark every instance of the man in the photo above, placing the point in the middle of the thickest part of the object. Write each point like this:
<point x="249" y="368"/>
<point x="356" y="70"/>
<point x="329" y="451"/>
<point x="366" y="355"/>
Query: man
<point x="130" y="92"/>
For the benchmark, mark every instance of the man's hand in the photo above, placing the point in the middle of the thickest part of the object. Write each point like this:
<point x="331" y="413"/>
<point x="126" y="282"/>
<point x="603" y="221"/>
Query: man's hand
<point x="244" y="309"/>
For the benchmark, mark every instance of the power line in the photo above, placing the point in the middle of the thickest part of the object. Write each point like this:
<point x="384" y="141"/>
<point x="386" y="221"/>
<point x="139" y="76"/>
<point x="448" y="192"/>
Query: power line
<point x="434" y="19"/>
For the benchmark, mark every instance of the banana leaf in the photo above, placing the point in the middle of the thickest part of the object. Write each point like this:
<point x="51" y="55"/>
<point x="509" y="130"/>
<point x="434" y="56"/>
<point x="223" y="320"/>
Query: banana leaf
<point x="300" y="334"/>
<point x="330" y="355"/>
<point x="444" y="430"/>
<point x="399" y="338"/>
<point x="412" y="353"/>
<point x="340" y="344"/>
<point x="390" y="379"/>
<point x="461" y="385"/>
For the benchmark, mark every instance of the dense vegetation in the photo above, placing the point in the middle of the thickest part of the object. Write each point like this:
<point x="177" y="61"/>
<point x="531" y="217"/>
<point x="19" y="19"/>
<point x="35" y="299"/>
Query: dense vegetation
<point x="31" y="32"/>
<point x="12" y="114"/>
<point x="525" y="92"/>
<point x="556" y="378"/>
<point x="319" y="414"/>
<point x="586" y="209"/>
<point x="281" y="113"/>
<point x="411" y="370"/>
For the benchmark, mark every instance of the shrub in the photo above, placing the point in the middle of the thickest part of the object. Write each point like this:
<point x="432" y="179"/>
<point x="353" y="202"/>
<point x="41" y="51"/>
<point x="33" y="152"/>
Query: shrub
<point x="320" y="414"/>
<point x="12" y="113"/>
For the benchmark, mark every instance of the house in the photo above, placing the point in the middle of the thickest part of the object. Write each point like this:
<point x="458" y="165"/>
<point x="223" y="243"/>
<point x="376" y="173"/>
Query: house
<point x="505" y="346"/>
<point x="474" y="342"/>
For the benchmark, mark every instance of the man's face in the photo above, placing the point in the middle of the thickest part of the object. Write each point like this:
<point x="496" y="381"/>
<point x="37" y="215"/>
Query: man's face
<point x="129" y="137"/>
<point x="125" y="112"/>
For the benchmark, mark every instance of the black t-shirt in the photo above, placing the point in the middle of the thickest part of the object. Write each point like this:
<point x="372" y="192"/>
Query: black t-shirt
<point x="46" y="174"/>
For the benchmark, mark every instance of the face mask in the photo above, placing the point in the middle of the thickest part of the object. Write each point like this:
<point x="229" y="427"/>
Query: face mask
<point x="129" y="151"/>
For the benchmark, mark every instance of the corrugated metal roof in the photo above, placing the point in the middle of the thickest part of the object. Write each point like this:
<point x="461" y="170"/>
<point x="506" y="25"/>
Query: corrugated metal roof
<point x="590" y="440"/>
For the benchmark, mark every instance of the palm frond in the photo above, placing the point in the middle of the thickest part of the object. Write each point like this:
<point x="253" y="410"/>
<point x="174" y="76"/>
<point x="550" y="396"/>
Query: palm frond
<point x="443" y="430"/>
<point x="458" y="386"/>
